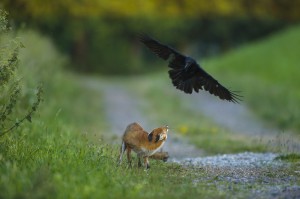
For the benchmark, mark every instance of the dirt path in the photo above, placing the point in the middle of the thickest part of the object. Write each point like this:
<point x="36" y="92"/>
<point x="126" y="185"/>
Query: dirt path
<point x="122" y="109"/>
<point x="243" y="169"/>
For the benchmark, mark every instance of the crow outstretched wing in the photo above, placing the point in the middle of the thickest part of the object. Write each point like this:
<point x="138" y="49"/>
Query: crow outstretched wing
<point x="176" y="60"/>
<point x="186" y="74"/>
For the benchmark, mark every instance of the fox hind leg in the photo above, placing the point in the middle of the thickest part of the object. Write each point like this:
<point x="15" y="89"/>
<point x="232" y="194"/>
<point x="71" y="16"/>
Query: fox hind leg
<point x="122" y="150"/>
<point x="129" y="155"/>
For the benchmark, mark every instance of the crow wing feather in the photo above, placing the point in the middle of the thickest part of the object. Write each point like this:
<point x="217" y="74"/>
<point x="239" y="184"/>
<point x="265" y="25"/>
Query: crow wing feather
<point x="191" y="78"/>
<point x="176" y="60"/>
<point x="211" y="85"/>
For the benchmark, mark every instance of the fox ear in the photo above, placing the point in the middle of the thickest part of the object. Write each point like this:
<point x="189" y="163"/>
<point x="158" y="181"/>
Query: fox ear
<point x="150" y="136"/>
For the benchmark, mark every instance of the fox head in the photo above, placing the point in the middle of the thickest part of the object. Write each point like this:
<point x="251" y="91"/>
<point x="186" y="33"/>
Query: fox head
<point x="159" y="134"/>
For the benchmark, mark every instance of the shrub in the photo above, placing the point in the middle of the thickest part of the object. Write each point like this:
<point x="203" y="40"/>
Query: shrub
<point x="12" y="114"/>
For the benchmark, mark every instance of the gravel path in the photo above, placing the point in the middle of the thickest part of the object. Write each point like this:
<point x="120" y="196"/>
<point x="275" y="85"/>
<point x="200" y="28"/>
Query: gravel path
<point x="259" y="175"/>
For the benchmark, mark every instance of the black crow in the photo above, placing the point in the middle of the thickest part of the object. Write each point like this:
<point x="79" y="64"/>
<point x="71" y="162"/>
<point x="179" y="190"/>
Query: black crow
<point x="186" y="74"/>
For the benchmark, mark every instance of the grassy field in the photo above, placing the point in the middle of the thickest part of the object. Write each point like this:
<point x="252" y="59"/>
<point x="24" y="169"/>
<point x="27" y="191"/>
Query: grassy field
<point x="266" y="73"/>
<point x="62" y="153"/>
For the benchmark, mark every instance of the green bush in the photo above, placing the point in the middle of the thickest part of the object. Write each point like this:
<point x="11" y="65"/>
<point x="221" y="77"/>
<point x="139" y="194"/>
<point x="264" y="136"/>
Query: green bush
<point x="12" y="114"/>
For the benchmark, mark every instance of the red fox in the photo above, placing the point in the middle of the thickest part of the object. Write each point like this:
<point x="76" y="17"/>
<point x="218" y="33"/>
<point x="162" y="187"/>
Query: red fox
<point x="144" y="144"/>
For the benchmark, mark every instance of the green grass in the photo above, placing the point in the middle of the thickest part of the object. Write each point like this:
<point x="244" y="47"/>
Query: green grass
<point x="267" y="74"/>
<point x="292" y="157"/>
<point x="31" y="155"/>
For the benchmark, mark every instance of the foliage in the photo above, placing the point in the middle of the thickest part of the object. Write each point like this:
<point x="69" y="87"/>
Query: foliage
<point x="100" y="35"/>
<point x="10" y="84"/>
<point x="53" y="10"/>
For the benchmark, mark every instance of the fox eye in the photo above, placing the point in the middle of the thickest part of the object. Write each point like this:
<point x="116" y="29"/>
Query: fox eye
<point x="157" y="138"/>
<point x="150" y="136"/>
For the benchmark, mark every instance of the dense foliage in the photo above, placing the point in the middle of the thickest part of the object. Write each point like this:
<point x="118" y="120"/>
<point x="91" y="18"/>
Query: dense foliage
<point x="100" y="35"/>
<point x="12" y="111"/>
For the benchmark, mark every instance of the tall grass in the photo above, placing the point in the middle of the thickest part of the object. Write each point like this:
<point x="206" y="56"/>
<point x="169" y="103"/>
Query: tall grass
<point x="29" y="154"/>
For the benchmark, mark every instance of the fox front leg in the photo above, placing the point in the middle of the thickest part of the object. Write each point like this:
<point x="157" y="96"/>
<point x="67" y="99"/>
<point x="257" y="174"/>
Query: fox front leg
<point x="146" y="163"/>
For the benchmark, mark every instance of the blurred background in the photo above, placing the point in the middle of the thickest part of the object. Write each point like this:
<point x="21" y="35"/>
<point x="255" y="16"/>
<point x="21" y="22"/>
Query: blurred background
<point x="100" y="36"/>
<point x="249" y="45"/>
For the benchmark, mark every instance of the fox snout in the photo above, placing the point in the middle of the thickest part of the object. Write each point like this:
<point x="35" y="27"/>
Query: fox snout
<point x="158" y="134"/>
<point x="163" y="136"/>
